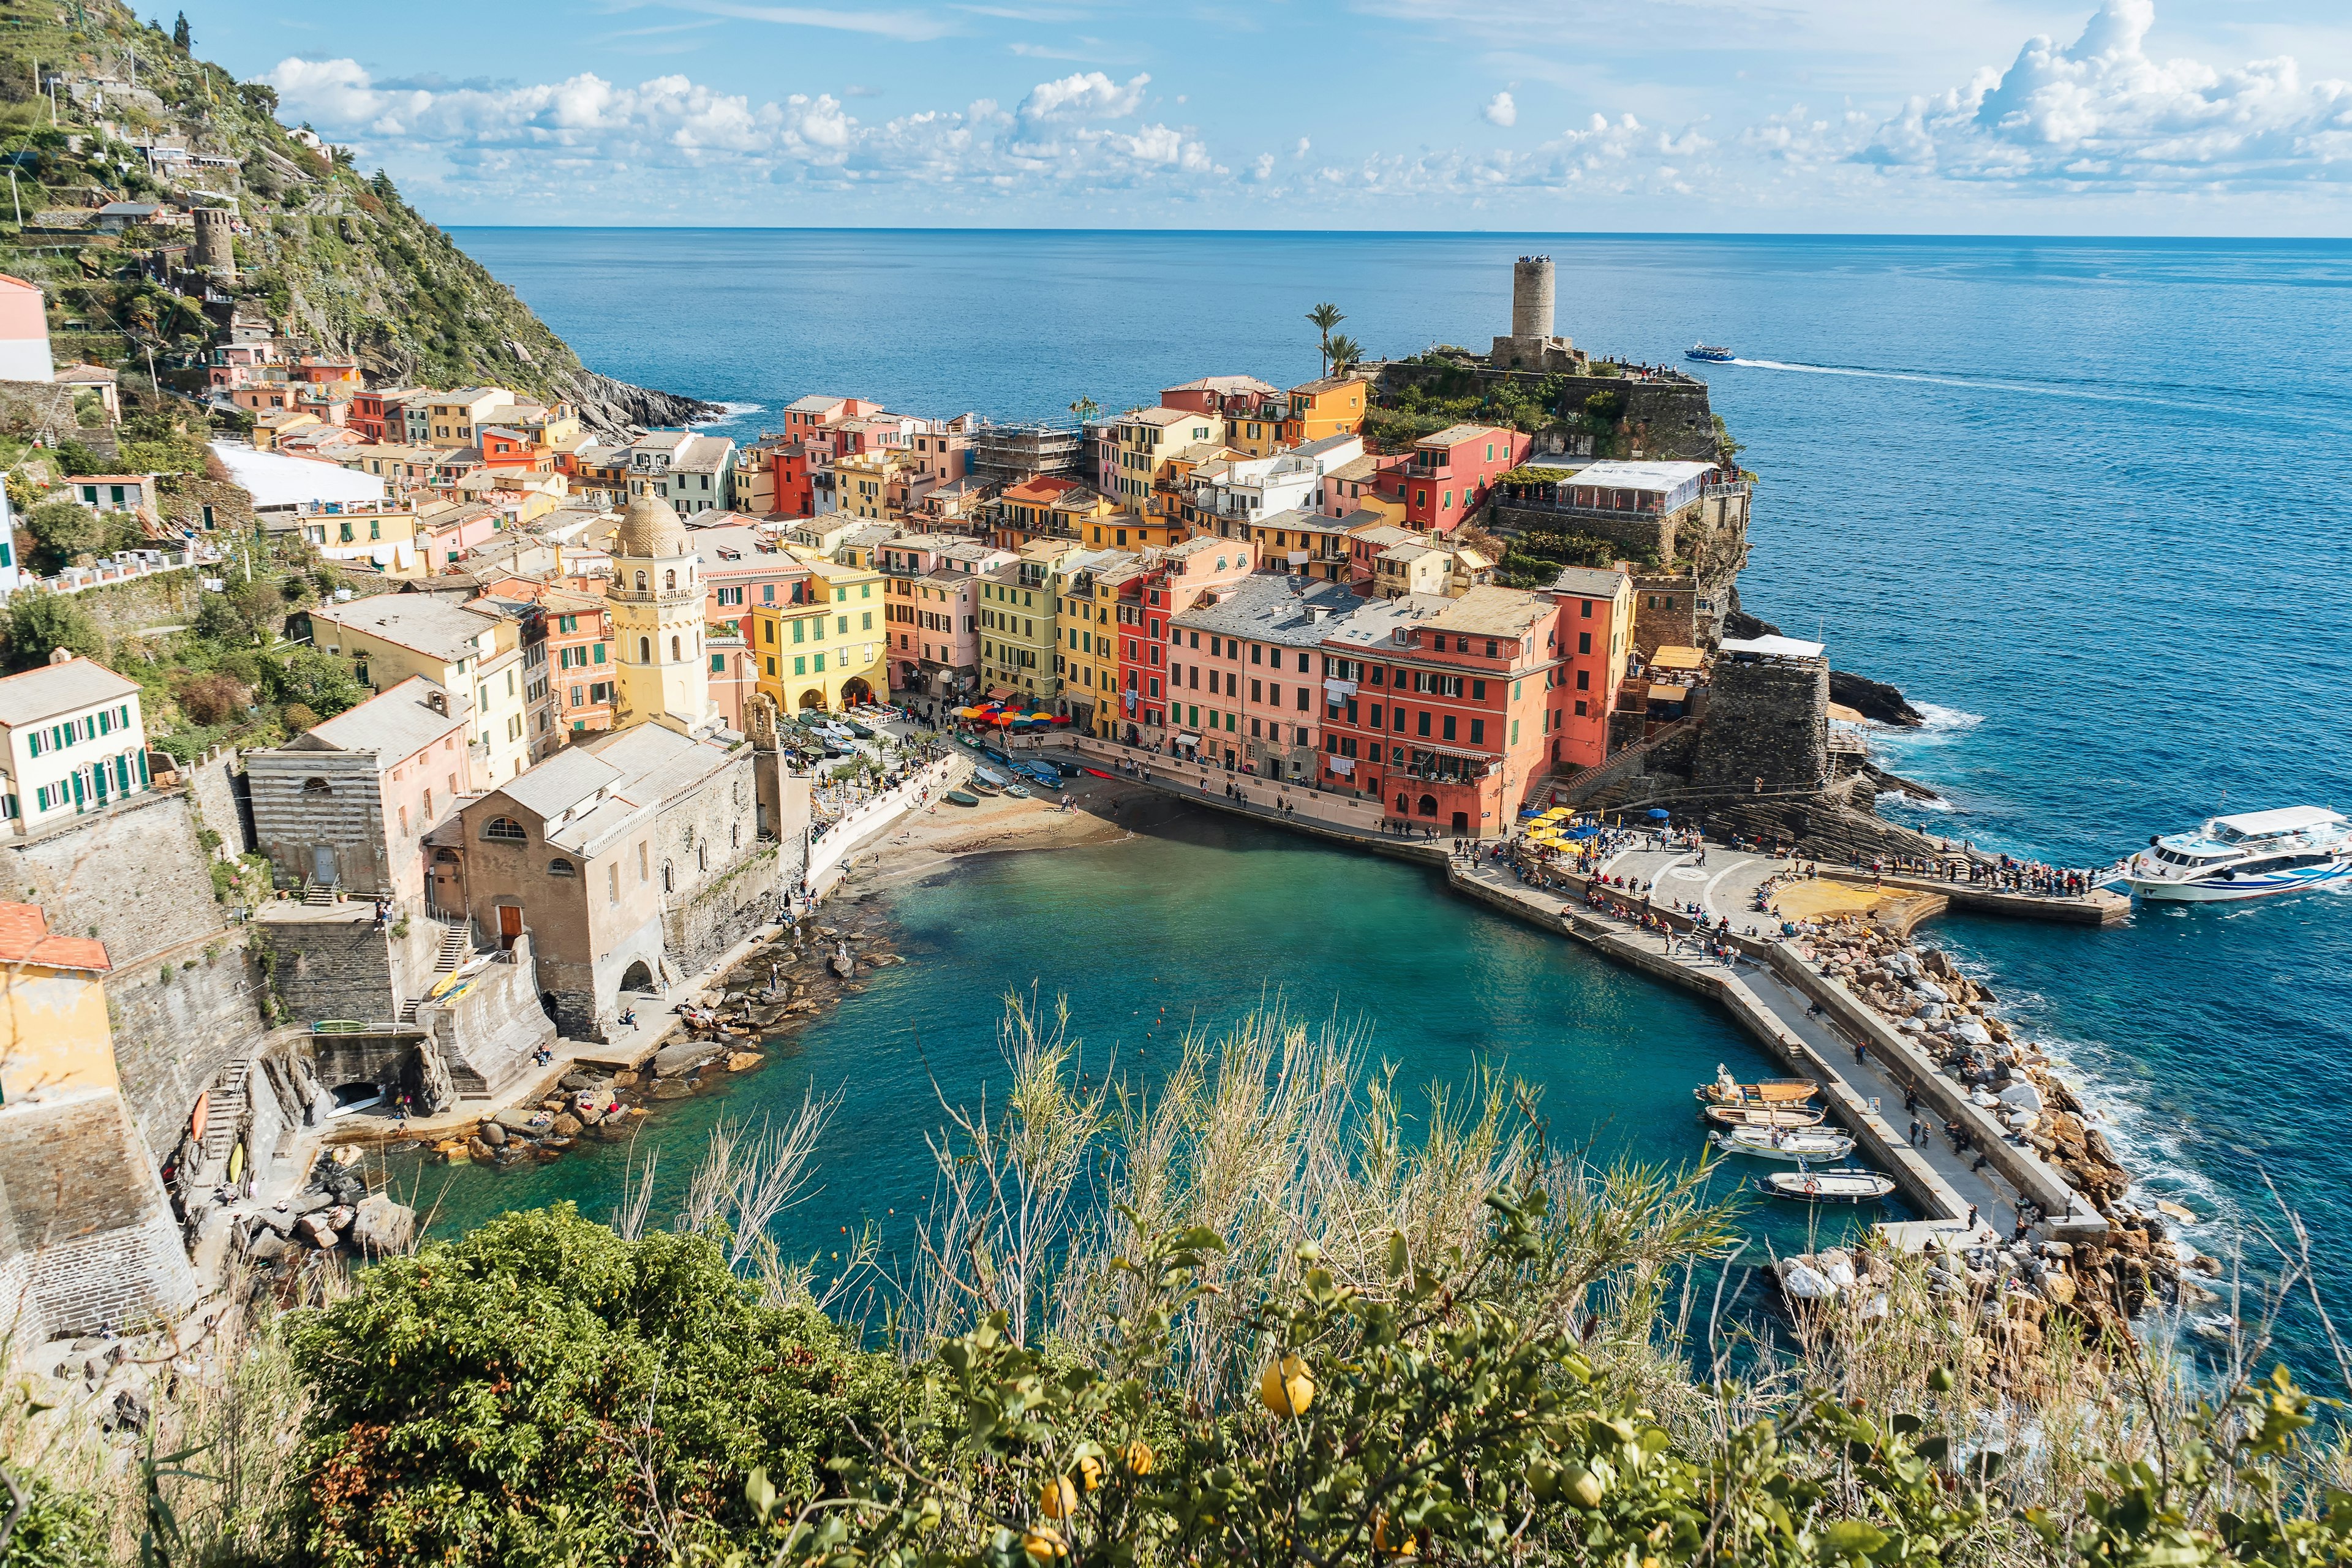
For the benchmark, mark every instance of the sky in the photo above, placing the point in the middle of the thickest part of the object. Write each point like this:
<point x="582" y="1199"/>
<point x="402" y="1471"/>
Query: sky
<point x="2204" y="117"/>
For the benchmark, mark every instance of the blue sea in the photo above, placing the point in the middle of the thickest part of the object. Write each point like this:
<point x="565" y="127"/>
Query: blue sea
<point x="2077" y="497"/>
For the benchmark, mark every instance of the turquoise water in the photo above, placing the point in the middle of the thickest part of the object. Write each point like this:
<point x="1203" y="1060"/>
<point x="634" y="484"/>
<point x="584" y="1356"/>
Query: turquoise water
<point x="1193" y="925"/>
<point x="2078" y="495"/>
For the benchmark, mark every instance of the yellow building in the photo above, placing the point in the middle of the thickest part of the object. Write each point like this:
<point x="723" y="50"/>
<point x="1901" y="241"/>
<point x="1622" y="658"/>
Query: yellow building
<point x="831" y="650"/>
<point x="1087" y="619"/>
<point x="451" y="416"/>
<point x="861" y="483"/>
<point x="1336" y="405"/>
<point x="58" y="1040"/>
<point x="1019" y="622"/>
<point x="1146" y="438"/>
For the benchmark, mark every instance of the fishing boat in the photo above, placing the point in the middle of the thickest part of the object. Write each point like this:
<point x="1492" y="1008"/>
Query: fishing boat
<point x="963" y="798"/>
<point x="1764" y="1091"/>
<point x="1795" y="1144"/>
<point x="1097" y="772"/>
<point x="1016" y="791"/>
<point x="1044" y="773"/>
<point x="1763" y="1115"/>
<point x="1845" y="1185"/>
<point x="1713" y="354"/>
<point x="990" y="777"/>
<point x="2252" y="855"/>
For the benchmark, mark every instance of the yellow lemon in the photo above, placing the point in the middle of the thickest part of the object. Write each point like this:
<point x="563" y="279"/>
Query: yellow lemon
<point x="1044" y="1545"/>
<point x="1286" y="1388"/>
<point x="1137" y="1457"/>
<point x="1090" y="1471"/>
<point x="1058" y="1498"/>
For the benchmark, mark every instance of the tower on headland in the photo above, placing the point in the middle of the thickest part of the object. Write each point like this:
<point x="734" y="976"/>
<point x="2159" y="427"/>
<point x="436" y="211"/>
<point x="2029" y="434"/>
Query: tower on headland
<point x="1531" y="297"/>
<point x="1531" y="344"/>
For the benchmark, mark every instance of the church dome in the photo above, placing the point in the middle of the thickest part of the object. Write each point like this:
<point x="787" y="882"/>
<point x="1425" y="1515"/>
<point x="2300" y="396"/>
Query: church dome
<point x="649" y="530"/>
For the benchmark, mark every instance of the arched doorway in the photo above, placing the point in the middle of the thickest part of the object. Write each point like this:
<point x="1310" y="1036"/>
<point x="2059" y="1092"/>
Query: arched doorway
<point x="636" y="977"/>
<point x="1428" y="805"/>
<point x="812" y="698"/>
<point x="856" y="692"/>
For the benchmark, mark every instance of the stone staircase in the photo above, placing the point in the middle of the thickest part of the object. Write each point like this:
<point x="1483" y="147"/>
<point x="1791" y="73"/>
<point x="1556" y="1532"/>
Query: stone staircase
<point x="454" y="948"/>
<point x="1578" y="787"/>
<point x="320" y="897"/>
<point x="225" y="1115"/>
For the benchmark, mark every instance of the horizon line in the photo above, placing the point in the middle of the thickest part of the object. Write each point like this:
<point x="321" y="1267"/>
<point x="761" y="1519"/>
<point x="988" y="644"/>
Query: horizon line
<point x="1409" y="233"/>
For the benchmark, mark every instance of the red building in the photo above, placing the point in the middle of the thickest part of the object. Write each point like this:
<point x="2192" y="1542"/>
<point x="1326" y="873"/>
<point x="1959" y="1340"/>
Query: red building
<point x="1172" y="582"/>
<point x="1452" y="472"/>
<point x="379" y="413"/>
<point x="1439" y="708"/>
<point x="1595" y="632"/>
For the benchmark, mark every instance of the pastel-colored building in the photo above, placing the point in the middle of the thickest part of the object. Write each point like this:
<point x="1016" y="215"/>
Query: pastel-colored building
<point x="24" y="331"/>
<point x="828" y="644"/>
<point x="1595" y="642"/>
<point x="474" y="654"/>
<point x="59" y="1041"/>
<point x="1248" y="669"/>
<point x="1173" y="581"/>
<point x="347" y="803"/>
<point x="74" y="738"/>
<point x="1146" y="438"/>
<point x="1088" y="618"/>
<point x="1334" y="406"/>
<point x="932" y="583"/>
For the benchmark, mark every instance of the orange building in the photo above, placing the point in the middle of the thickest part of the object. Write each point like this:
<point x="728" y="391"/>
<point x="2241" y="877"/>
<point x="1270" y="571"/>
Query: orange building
<point x="1336" y="405"/>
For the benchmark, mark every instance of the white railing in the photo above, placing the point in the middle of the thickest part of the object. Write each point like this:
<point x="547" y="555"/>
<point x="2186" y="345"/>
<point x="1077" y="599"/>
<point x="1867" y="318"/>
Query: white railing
<point x="866" y="822"/>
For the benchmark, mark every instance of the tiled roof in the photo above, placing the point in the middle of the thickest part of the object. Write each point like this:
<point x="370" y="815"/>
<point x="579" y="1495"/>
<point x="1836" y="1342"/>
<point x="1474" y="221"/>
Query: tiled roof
<point x="50" y="689"/>
<point x="25" y="938"/>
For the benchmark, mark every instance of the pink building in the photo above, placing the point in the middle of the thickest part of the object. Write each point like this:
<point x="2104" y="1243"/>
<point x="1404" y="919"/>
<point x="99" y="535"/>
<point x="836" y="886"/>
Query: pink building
<point x="742" y="569"/>
<point x="1452" y="472"/>
<point x="1253" y="650"/>
<point x="932" y="583"/>
<point x="1174" y="580"/>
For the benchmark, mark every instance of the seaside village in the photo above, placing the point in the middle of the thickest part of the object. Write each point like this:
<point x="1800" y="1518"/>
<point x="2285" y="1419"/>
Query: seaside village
<point x="631" y="702"/>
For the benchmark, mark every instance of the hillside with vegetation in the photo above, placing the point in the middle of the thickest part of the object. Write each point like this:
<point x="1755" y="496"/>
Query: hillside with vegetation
<point x="333" y="256"/>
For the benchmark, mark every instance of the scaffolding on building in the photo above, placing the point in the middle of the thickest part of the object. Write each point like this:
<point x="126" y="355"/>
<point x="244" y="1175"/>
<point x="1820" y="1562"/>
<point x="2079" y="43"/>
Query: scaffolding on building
<point x="1009" y="453"/>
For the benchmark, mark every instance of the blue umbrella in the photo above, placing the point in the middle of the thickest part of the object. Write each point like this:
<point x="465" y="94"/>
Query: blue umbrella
<point x="1657" y="815"/>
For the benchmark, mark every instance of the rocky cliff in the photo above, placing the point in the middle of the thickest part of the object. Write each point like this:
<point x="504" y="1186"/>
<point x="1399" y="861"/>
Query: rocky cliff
<point x="336" y="260"/>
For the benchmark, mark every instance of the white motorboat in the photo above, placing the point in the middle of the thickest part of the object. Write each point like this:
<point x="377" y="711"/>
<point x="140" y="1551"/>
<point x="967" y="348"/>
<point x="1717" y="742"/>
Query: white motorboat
<point x="2250" y="855"/>
<point x="1791" y="1143"/>
<point x="1841" y="1186"/>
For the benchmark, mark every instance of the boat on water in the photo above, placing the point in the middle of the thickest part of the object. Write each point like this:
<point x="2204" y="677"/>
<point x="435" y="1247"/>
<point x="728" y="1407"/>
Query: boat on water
<point x="1725" y="1091"/>
<point x="1795" y="1144"/>
<point x="1713" y="354"/>
<point x="1844" y="1185"/>
<point x="1763" y="1115"/>
<point x="2252" y="855"/>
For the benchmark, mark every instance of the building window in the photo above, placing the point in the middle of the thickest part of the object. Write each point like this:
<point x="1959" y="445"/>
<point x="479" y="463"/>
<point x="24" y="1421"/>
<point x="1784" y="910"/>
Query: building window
<point x="506" y="828"/>
<point x="560" y="866"/>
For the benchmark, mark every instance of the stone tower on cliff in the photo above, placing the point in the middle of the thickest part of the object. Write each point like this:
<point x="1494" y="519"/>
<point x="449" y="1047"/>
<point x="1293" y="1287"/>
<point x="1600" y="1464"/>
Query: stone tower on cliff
<point x="1531" y="344"/>
<point x="658" y="621"/>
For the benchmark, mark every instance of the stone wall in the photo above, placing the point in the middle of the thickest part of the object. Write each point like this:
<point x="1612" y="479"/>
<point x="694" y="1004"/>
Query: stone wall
<point x="217" y="782"/>
<point x="329" y="963"/>
<point x="140" y="603"/>
<point x="718" y="881"/>
<point x="181" y="1017"/>
<point x="184" y="497"/>
<point x="132" y="875"/>
<point x="41" y="407"/>
<point x="486" y="1035"/>
<point x="1766" y="726"/>
<point x="81" y="1198"/>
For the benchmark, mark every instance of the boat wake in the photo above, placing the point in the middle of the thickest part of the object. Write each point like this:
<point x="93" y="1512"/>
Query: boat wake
<point x="1985" y="383"/>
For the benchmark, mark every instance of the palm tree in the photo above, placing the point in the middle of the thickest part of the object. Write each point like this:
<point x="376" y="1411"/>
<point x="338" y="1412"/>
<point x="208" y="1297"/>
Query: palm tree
<point x="1326" y="316"/>
<point x="1344" y="354"/>
<point x="1086" y="409"/>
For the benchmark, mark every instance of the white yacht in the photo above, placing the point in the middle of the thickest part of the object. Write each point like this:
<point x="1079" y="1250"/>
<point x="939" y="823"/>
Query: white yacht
<point x="2250" y="855"/>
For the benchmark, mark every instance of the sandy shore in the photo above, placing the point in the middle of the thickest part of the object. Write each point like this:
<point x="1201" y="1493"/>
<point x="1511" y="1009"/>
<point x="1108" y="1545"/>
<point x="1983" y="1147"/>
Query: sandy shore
<point x="936" y="838"/>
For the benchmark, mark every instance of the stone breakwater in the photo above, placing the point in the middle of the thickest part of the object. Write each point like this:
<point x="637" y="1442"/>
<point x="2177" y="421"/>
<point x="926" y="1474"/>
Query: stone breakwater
<point x="1921" y="992"/>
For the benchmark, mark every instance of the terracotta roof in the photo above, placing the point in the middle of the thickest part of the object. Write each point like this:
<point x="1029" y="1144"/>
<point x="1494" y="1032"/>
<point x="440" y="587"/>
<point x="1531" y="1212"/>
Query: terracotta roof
<point x="25" y="938"/>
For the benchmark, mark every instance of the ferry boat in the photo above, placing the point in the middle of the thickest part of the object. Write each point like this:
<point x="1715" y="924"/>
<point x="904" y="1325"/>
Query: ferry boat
<point x="2250" y="855"/>
<point x="1713" y="354"/>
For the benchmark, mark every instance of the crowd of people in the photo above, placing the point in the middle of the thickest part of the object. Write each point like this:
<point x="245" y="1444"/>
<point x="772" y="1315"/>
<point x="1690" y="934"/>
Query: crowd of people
<point x="2003" y="873"/>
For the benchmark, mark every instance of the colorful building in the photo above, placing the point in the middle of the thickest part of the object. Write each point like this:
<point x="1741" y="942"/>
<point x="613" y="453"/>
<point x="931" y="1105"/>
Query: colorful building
<point x="1595" y="641"/>
<point x="1146" y="438"/>
<point x="1173" y="581"/>
<point x="932" y="617"/>
<point x="474" y="654"/>
<point x="59" y="1040"/>
<point x="1088" y="618"/>
<point x="1439" y="708"/>
<point x="826" y="650"/>
<point x="1335" y="406"/>
<point x="73" y="739"/>
<point x="1453" y="471"/>
<point x="1244" y="662"/>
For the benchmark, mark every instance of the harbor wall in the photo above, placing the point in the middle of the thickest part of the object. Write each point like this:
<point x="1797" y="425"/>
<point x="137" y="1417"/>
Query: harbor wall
<point x="828" y="856"/>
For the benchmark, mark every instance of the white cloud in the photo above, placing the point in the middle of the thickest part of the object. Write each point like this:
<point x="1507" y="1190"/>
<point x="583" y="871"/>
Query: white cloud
<point x="1501" y="111"/>
<point x="2101" y="112"/>
<point x="1087" y="95"/>
<point x="1300" y="150"/>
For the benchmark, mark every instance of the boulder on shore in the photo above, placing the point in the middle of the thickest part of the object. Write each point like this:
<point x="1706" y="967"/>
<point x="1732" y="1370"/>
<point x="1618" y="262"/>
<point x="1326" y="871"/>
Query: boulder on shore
<point x="383" y="1226"/>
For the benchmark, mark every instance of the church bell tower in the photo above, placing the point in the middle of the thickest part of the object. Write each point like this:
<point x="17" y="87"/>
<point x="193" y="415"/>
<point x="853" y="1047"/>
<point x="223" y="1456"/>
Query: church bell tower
<point x="657" y="599"/>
